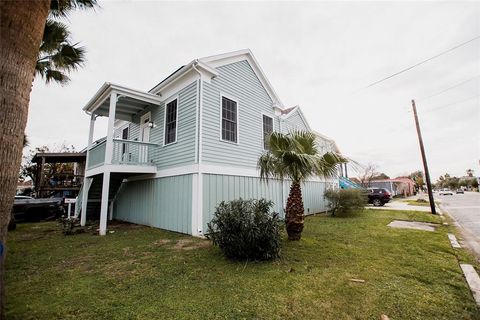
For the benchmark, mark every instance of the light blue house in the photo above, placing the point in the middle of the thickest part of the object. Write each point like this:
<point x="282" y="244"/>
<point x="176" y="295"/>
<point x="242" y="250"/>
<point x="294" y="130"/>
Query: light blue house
<point x="173" y="153"/>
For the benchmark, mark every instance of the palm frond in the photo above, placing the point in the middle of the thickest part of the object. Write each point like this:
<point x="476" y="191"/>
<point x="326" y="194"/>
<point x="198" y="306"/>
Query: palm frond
<point x="296" y="155"/>
<point x="62" y="8"/>
<point x="69" y="57"/>
<point x="57" y="76"/>
<point x="55" y="34"/>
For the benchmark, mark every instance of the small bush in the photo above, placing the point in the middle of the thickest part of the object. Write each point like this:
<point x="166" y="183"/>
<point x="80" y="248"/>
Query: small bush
<point x="421" y="200"/>
<point x="70" y="226"/>
<point x="245" y="229"/>
<point x="344" y="201"/>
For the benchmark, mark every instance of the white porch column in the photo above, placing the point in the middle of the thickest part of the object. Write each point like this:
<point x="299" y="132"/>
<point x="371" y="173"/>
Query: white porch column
<point x="197" y="205"/>
<point x="108" y="160"/>
<point x="111" y="122"/>
<point x="83" y="217"/>
<point x="104" y="207"/>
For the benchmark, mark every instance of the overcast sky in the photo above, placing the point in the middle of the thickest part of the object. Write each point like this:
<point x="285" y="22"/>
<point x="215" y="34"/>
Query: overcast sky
<point x="319" y="55"/>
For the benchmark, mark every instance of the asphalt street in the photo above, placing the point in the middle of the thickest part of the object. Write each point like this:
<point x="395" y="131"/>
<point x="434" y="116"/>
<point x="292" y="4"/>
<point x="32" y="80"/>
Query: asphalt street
<point x="465" y="209"/>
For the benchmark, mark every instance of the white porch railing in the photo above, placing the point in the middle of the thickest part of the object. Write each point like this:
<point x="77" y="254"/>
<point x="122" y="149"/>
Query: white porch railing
<point x="132" y="152"/>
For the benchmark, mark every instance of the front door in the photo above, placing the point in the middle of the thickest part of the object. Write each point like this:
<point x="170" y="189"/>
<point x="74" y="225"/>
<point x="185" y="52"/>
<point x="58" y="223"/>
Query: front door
<point x="144" y="137"/>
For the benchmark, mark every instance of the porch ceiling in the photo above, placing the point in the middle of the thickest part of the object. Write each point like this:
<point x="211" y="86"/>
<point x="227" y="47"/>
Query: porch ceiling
<point x="129" y="101"/>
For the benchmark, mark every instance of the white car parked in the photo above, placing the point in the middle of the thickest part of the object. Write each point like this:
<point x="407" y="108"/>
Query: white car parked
<point x="445" y="192"/>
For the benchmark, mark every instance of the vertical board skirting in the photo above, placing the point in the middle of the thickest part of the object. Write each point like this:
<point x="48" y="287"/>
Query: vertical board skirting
<point x="218" y="188"/>
<point x="164" y="203"/>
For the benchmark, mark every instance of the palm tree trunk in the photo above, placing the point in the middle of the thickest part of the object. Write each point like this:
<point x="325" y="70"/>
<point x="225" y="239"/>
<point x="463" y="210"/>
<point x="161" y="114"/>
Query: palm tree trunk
<point x="294" y="212"/>
<point x="22" y="24"/>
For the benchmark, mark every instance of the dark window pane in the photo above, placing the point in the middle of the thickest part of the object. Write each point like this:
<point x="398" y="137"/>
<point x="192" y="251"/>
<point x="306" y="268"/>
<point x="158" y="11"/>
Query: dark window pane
<point x="171" y="122"/>
<point x="229" y="120"/>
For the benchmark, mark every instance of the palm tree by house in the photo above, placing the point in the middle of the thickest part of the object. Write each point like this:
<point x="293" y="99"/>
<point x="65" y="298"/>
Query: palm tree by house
<point x="57" y="55"/>
<point x="295" y="156"/>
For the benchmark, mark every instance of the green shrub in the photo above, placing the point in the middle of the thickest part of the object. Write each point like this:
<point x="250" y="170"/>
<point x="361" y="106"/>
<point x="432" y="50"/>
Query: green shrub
<point x="245" y="229"/>
<point x="70" y="226"/>
<point x="421" y="200"/>
<point x="342" y="201"/>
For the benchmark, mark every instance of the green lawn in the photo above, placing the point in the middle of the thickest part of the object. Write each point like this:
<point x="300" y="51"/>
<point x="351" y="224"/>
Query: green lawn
<point x="417" y="203"/>
<point x="145" y="273"/>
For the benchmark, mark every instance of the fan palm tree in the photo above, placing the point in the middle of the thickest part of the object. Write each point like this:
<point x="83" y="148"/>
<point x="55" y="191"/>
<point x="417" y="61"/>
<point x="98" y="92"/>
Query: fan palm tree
<point x="57" y="55"/>
<point x="295" y="156"/>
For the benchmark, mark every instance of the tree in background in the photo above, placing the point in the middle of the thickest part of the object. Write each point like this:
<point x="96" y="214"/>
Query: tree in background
<point x="22" y="25"/>
<point x="417" y="177"/>
<point x="370" y="174"/>
<point x="295" y="156"/>
<point x="470" y="173"/>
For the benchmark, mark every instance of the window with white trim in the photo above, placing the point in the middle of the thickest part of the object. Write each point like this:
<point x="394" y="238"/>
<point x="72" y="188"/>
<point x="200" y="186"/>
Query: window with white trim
<point x="229" y="120"/>
<point x="171" y="122"/>
<point x="267" y="129"/>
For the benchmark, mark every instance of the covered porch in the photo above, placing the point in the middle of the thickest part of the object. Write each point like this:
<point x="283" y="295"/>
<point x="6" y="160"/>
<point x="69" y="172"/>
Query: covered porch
<point x="117" y="155"/>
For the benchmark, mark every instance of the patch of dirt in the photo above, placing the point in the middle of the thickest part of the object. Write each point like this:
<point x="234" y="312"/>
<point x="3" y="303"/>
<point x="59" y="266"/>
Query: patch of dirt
<point x="161" y="242"/>
<point x="126" y="252"/>
<point x="187" y="244"/>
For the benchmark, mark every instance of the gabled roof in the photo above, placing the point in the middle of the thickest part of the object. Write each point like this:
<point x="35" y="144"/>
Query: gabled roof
<point x="209" y="64"/>
<point x="287" y="113"/>
<point x="240" y="55"/>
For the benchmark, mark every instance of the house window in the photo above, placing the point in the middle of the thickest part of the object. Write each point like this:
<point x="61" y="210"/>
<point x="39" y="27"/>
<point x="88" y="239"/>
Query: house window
<point x="267" y="129"/>
<point x="229" y="120"/>
<point x="171" y="122"/>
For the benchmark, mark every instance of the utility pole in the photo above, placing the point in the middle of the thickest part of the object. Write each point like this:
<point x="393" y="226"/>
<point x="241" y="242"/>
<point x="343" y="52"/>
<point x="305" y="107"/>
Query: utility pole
<point x="424" y="159"/>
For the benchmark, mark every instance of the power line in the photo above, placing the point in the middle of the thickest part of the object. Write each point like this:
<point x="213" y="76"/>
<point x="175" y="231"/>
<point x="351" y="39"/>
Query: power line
<point x="449" y="88"/>
<point x="453" y="103"/>
<point x="422" y="62"/>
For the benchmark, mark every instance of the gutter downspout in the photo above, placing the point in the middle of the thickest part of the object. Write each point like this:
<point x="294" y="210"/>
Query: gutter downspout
<point x="197" y="218"/>
<point x="199" y="113"/>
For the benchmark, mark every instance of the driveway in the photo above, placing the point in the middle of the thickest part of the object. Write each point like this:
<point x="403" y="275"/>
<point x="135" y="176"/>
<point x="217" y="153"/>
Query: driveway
<point x="465" y="209"/>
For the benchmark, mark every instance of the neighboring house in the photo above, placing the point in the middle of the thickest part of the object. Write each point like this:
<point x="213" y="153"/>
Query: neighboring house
<point x="397" y="187"/>
<point x="173" y="153"/>
<point x="64" y="184"/>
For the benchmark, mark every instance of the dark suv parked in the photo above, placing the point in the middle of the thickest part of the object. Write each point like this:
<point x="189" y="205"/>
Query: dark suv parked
<point x="378" y="196"/>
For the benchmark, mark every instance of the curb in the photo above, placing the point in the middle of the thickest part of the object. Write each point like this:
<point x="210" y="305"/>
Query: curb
<point x="473" y="281"/>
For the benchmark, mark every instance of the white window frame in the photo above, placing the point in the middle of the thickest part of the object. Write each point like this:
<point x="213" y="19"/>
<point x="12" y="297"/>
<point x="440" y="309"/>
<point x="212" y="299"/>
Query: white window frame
<point x="165" y="120"/>
<point x="273" y="126"/>
<point x="236" y="100"/>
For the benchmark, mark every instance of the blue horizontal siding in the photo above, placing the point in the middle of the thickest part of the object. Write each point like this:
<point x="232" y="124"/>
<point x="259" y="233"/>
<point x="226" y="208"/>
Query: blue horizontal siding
<point x="237" y="80"/>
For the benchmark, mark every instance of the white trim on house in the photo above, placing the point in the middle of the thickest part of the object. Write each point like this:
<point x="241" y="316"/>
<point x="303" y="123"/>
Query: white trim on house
<point x="237" y="101"/>
<point x="118" y="168"/>
<point x="188" y="71"/>
<point x="273" y="127"/>
<point x="173" y="98"/>
<point x="209" y="169"/>
<point x="195" y="206"/>
<point x="107" y="88"/>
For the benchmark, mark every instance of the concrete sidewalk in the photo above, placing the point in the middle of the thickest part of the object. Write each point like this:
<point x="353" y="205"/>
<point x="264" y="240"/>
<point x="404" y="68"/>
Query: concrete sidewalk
<point x="400" y="205"/>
